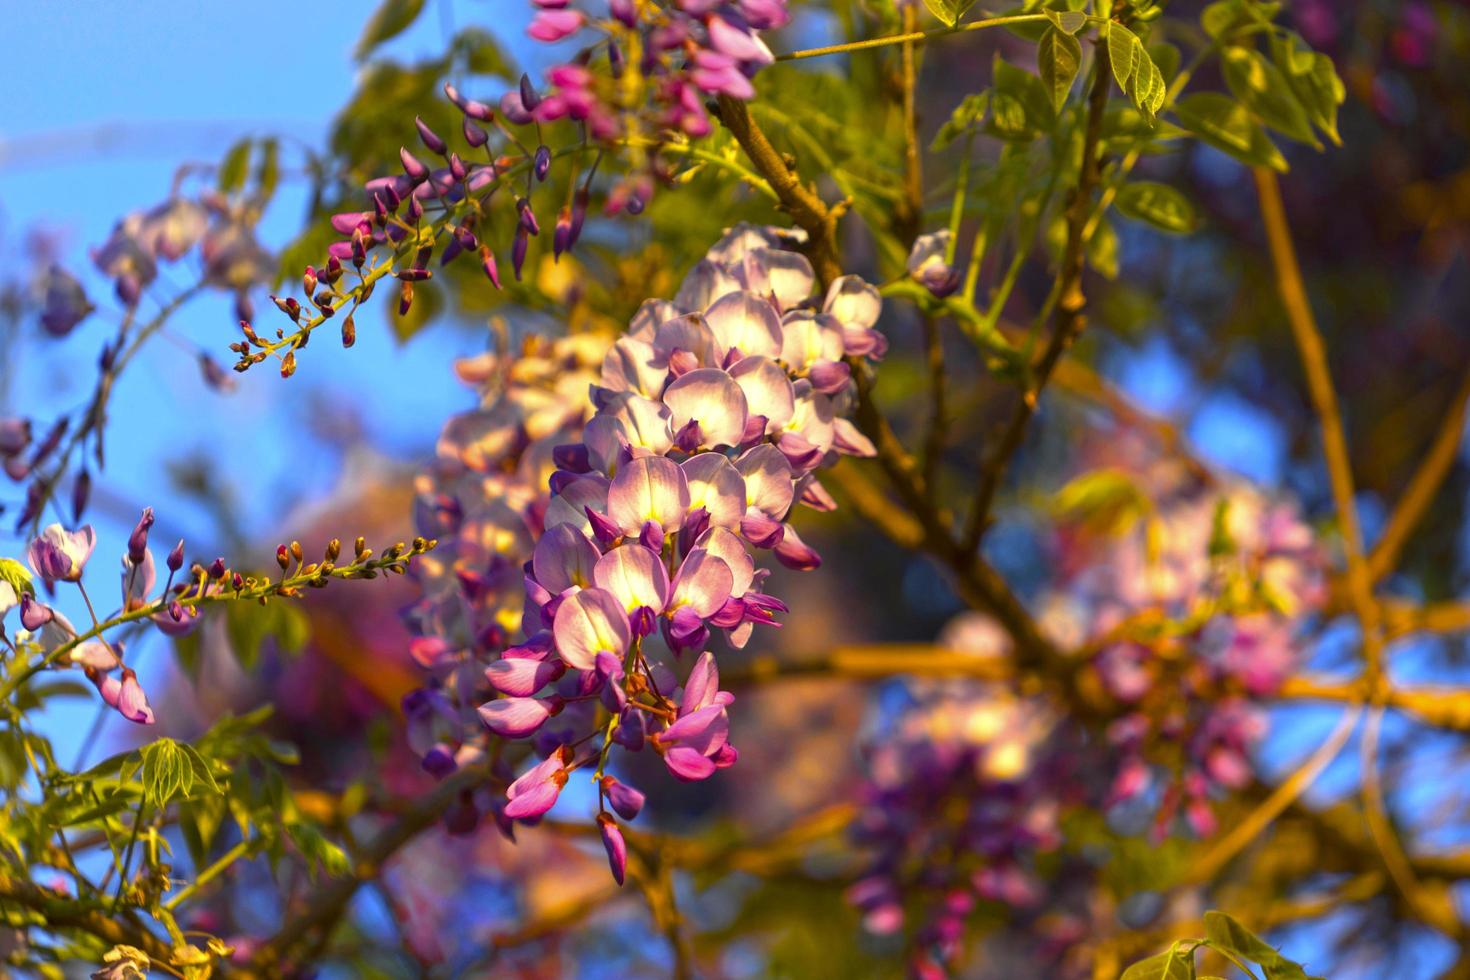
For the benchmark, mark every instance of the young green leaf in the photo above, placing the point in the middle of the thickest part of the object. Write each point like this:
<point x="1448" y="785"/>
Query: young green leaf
<point x="1124" y="51"/>
<point x="1228" y="126"/>
<point x="234" y="166"/>
<point x="1262" y="87"/>
<point x="969" y="114"/>
<point x="1226" y="933"/>
<point x="1068" y="21"/>
<point x="1174" y="964"/>
<point x="1159" y="205"/>
<point x="1058" y="56"/>
<point x="390" y="19"/>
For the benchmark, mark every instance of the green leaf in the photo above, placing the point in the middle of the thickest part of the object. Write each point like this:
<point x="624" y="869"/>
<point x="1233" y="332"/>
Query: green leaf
<point x="1313" y="79"/>
<point x="1058" y="56"/>
<point x="1159" y="205"/>
<point x="944" y="10"/>
<point x="1228" y="126"/>
<point x="1020" y="108"/>
<point x="268" y="171"/>
<point x="1107" y="501"/>
<point x="969" y="114"/>
<point x="234" y="166"/>
<point x="390" y="20"/>
<point x="1227" y="934"/>
<point x="1103" y="250"/>
<point x="318" y="851"/>
<point x="1124" y="52"/>
<point x="166" y="773"/>
<point x="173" y="771"/>
<point x="1262" y="87"/>
<point x="1068" y="21"/>
<point x="1174" y="964"/>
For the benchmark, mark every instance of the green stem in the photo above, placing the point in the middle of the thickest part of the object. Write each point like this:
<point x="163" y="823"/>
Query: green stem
<point x="881" y="42"/>
<point x="210" y="873"/>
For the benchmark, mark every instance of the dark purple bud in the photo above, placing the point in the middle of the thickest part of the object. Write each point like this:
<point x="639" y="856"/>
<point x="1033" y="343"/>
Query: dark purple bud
<point x="457" y="169"/>
<point x="33" y="615"/>
<point x="81" y="492"/>
<point x="176" y="557"/>
<point x="129" y="289"/>
<point x="615" y="60"/>
<point x="439" y="761"/>
<point x="530" y="98"/>
<point x="603" y="529"/>
<point x="412" y="166"/>
<point x="527" y="216"/>
<point x="466" y="239"/>
<point x="617" y="849"/>
<point x="15" y="436"/>
<point x="624" y="12"/>
<point x="559" y="481"/>
<point x="53" y="439"/>
<point x="513" y="110"/>
<point x="471" y="108"/>
<point x="492" y="272"/>
<point x="217" y="568"/>
<point x="214" y="375"/>
<point x="474" y="135"/>
<point x="631" y="730"/>
<point x="572" y="456"/>
<point x="405" y="297"/>
<point x="543" y="161"/>
<point x="561" y="237"/>
<point x="518" y="250"/>
<point x="138" y="540"/>
<point x="623" y="798"/>
<point x="429" y="137"/>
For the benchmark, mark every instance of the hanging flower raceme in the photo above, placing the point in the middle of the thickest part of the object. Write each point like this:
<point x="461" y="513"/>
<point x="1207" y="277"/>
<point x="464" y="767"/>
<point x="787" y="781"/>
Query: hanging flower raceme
<point x="1191" y="608"/>
<point x="708" y="422"/>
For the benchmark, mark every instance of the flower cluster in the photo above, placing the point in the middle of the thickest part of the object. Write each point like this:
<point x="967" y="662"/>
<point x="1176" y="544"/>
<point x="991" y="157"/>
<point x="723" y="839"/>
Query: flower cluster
<point x="423" y="211"/>
<point x="712" y="416"/>
<point x="220" y="227"/>
<point x="1194" y="615"/>
<point x="966" y="783"/>
<point x="681" y="53"/>
<point x="60" y="556"/>
<point x="1187" y="600"/>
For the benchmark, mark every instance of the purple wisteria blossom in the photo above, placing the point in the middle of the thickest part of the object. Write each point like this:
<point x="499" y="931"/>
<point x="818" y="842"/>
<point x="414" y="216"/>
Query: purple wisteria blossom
<point x="708" y="423"/>
<point x="973" y="769"/>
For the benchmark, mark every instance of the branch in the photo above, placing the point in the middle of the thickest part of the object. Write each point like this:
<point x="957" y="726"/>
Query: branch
<point x="1422" y="487"/>
<point x="65" y="913"/>
<point x="1360" y="586"/>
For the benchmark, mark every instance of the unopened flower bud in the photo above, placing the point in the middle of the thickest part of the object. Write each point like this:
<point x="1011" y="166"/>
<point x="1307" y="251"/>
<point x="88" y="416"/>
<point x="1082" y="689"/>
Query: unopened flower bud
<point x="217" y="568"/>
<point x="176" y="557"/>
<point x="429" y="137"/>
<point x="138" y="540"/>
<point x="349" y="331"/>
<point x="412" y="166"/>
<point x="543" y="161"/>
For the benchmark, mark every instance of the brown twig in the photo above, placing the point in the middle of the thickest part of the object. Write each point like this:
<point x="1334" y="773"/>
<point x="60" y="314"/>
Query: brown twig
<point x="1425" y="483"/>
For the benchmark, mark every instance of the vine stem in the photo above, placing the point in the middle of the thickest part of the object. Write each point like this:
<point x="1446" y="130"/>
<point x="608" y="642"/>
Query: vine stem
<point x="1313" y="354"/>
<point x="912" y="36"/>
